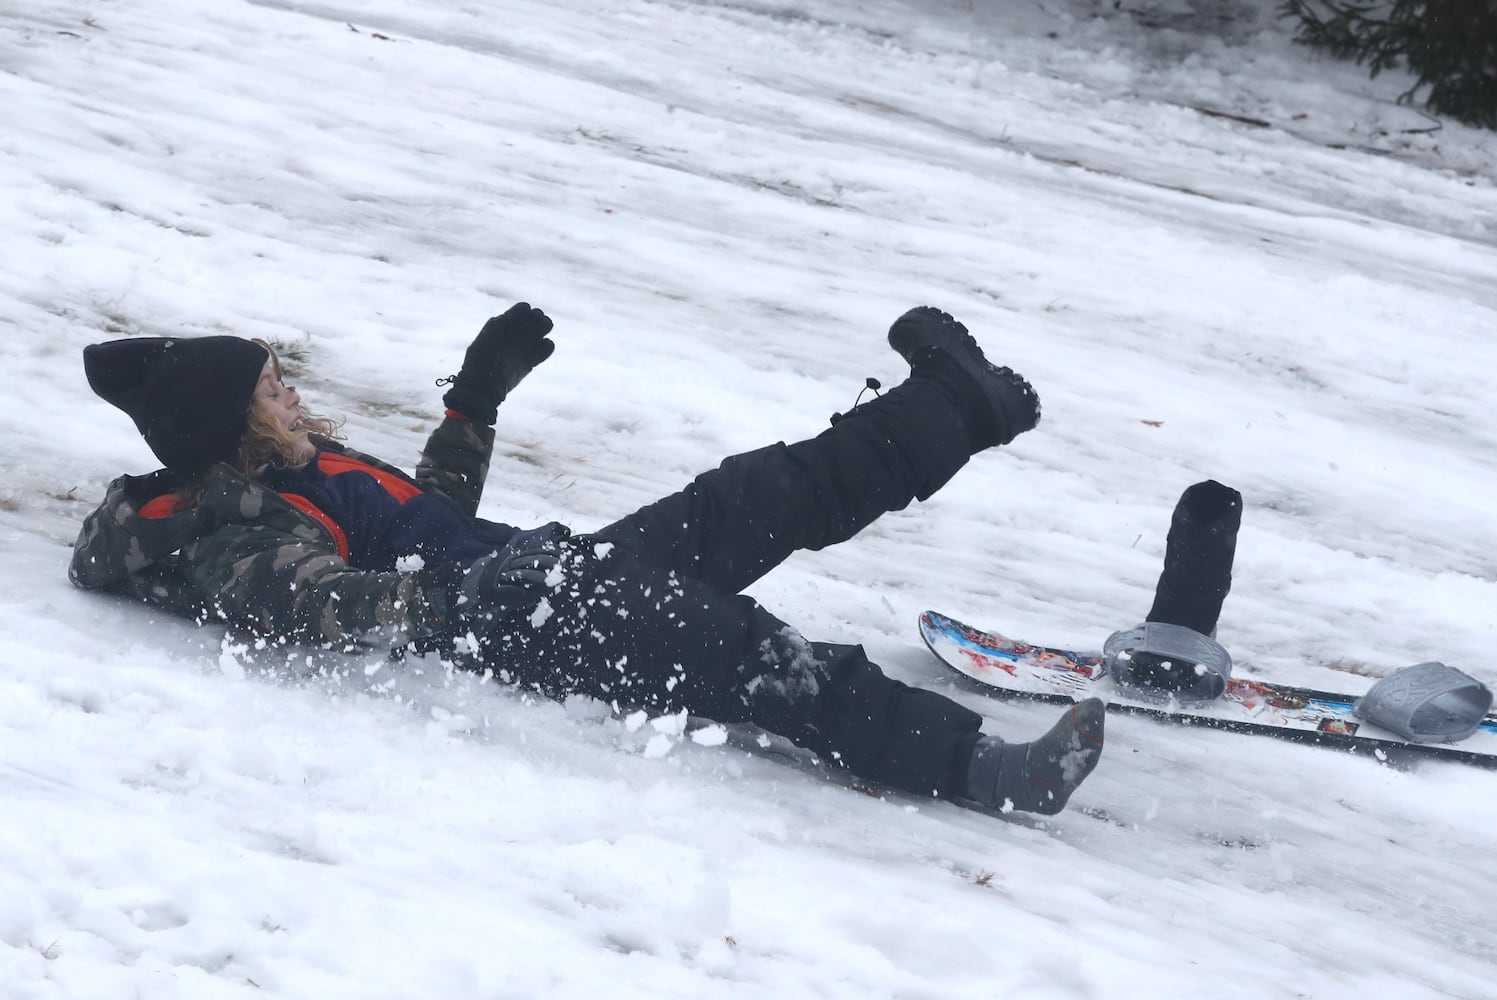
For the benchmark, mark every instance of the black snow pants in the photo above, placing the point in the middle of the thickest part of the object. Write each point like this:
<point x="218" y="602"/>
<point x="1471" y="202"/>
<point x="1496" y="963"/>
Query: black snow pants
<point x="648" y="614"/>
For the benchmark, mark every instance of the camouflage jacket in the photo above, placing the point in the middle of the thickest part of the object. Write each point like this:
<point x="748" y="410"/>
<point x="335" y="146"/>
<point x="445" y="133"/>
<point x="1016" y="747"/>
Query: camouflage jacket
<point x="246" y="556"/>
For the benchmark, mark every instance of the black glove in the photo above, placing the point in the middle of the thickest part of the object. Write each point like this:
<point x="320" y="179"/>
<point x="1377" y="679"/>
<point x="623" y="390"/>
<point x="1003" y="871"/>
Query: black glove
<point x="506" y="350"/>
<point x="513" y="580"/>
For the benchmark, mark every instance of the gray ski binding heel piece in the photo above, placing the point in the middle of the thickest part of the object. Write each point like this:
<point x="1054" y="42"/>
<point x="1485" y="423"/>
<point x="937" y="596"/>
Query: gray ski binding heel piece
<point x="1158" y="662"/>
<point x="1426" y="703"/>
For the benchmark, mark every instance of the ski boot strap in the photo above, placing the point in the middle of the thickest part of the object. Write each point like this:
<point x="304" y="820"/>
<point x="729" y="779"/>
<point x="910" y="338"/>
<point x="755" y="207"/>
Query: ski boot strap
<point x="1426" y="703"/>
<point x="1160" y="641"/>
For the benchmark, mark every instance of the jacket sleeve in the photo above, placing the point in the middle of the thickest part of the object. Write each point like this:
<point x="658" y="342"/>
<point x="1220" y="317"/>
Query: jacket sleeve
<point x="455" y="461"/>
<point x="278" y="584"/>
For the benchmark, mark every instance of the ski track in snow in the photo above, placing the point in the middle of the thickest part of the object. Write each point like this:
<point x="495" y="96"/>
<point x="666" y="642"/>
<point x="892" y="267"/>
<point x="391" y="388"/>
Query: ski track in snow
<point x="724" y="205"/>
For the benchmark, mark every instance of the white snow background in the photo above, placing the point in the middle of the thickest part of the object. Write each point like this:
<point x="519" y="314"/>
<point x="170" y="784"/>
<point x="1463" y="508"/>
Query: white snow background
<point x="1214" y="255"/>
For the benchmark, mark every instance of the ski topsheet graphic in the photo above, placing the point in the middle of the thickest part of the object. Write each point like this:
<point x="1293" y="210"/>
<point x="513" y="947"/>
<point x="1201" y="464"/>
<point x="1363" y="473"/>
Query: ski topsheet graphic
<point x="1010" y="668"/>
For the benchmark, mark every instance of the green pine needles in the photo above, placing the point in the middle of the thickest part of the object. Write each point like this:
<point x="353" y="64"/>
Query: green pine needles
<point x="1449" y="45"/>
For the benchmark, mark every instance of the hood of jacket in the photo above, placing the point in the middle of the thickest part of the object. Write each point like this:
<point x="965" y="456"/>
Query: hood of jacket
<point x="120" y="547"/>
<point x="117" y="539"/>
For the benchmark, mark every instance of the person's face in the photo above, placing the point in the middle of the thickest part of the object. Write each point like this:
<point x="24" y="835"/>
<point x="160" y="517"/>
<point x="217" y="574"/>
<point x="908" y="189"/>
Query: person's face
<point x="282" y="401"/>
<point x="284" y="404"/>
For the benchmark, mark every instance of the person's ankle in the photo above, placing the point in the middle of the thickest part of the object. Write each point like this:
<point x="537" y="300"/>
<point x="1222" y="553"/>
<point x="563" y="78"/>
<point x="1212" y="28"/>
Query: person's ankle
<point x="1039" y="776"/>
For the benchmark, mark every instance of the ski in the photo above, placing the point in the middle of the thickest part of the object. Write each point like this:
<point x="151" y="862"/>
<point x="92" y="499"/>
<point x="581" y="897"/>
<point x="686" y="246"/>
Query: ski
<point x="1009" y="668"/>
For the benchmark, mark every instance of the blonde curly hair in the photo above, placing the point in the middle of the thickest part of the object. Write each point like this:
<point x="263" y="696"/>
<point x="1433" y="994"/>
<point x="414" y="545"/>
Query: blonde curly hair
<point x="266" y="440"/>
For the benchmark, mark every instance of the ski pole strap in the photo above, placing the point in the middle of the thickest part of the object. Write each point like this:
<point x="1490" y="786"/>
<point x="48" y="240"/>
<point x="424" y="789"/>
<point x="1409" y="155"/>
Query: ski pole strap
<point x="1157" y="661"/>
<point x="1426" y="703"/>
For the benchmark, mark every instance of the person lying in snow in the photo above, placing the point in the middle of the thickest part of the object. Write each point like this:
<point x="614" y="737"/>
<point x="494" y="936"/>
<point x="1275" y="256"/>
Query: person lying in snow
<point x="262" y="519"/>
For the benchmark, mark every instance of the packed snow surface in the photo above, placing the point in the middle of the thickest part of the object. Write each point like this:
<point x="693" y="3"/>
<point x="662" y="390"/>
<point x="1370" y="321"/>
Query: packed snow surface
<point x="1215" y="256"/>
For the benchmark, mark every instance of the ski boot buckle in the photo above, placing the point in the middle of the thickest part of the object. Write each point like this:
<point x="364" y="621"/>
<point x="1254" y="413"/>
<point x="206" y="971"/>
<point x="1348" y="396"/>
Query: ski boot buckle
<point x="1427" y="703"/>
<point x="1160" y="662"/>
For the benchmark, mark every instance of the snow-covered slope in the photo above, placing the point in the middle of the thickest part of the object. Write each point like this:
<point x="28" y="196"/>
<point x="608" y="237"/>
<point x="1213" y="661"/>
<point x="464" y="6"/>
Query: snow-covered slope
<point x="1214" y="258"/>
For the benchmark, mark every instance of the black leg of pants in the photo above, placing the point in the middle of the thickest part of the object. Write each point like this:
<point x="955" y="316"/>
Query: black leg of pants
<point x="648" y="612"/>
<point x="638" y="636"/>
<point x="731" y="525"/>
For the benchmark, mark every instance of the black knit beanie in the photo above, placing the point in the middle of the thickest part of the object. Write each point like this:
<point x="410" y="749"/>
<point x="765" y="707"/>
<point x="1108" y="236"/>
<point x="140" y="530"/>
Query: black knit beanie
<point x="189" y="396"/>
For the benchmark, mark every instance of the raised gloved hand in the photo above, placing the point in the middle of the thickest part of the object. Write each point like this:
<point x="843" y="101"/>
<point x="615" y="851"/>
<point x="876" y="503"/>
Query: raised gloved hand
<point x="506" y="350"/>
<point x="513" y="580"/>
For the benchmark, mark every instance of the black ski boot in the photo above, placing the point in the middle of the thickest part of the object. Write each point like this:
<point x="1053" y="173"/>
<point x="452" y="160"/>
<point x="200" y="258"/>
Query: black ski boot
<point x="1039" y="776"/>
<point x="1198" y="556"/>
<point x="1000" y="402"/>
<point x="1174" y="653"/>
